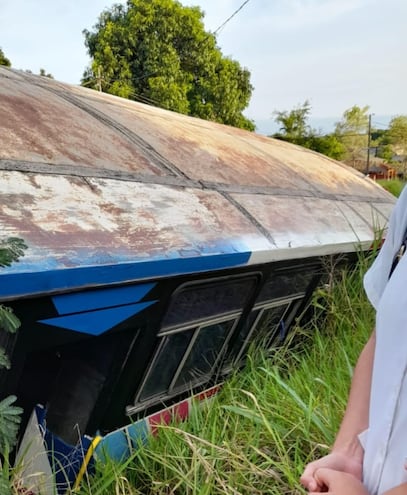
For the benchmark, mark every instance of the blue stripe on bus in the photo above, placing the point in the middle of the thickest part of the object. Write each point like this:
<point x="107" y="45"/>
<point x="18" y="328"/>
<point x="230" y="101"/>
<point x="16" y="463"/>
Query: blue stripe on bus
<point x="118" y="444"/>
<point x="96" y="322"/>
<point x="100" y="298"/>
<point x="25" y="284"/>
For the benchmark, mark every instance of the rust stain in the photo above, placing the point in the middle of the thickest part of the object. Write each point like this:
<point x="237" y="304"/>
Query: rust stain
<point x="204" y="150"/>
<point x="76" y="220"/>
<point x="152" y="220"/>
<point x="40" y="127"/>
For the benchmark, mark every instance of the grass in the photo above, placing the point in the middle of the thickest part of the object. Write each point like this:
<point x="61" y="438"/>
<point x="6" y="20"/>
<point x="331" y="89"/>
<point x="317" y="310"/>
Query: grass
<point x="269" y="420"/>
<point x="394" y="186"/>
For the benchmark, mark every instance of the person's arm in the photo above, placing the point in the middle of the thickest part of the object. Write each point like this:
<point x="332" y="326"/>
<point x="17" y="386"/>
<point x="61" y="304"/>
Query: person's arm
<point x="337" y="483"/>
<point x="347" y="452"/>
<point x="397" y="490"/>
<point x="356" y="417"/>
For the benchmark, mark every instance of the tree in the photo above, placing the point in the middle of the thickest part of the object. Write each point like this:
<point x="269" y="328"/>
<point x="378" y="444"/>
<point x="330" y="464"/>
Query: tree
<point x="158" y="52"/>
<point x="294" y="126"/>
<point x="4" y="60"/>
<point x="327" y="144"/>
<point x="380" y="141"/>
<point x="351" y="131"/>
<point x="397" y="134"/>
<point x="295" y="129"/>
<point x="396" y="143"/>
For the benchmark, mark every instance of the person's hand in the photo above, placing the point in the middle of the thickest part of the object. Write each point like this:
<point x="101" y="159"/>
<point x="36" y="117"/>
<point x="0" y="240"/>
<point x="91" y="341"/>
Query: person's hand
<point x="339" y="483"/>
<point x="334" y="461"/>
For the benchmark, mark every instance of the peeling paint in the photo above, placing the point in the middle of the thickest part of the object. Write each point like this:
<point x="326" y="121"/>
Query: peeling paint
<point x="164" y="186"/>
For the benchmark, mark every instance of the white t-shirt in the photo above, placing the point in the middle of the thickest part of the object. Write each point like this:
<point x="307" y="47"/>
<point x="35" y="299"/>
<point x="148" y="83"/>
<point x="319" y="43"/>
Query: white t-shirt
<point x="385" y="441"/>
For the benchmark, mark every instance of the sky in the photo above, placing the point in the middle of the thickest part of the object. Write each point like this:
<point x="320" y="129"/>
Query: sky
<point x="334" y="53"/>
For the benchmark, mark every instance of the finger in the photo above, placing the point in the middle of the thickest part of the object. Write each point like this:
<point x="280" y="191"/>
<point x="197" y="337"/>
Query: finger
<point x="326" y="476"/>
<point x="307" y="479"/>
<point x="310" y="483"/>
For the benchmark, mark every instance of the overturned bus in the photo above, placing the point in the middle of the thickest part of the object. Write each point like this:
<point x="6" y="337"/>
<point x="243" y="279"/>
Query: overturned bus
<point x="159" y="246"/>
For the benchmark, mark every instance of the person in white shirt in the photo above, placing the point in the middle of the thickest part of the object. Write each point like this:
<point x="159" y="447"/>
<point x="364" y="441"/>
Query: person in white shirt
<point x="369" y="454"/>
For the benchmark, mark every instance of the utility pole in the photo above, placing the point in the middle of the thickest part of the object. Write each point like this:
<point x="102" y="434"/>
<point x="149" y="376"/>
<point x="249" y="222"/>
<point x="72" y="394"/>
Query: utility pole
<point x="369" y="132"/>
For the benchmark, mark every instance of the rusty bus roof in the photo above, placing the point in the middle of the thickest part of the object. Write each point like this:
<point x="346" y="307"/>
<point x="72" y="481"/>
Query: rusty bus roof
<point x="106" y="190"/>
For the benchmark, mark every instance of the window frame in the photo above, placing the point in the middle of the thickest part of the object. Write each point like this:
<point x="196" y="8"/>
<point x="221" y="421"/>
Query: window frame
<point x="255" y="277"/>
<point x="294" y="302"/>
<point x="262" y="307"/>
<point x="140" y="404"/>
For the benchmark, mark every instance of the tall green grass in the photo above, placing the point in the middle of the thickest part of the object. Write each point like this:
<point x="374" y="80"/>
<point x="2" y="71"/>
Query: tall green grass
<point x="269" y="420"/>
<point x="394" y="186"/>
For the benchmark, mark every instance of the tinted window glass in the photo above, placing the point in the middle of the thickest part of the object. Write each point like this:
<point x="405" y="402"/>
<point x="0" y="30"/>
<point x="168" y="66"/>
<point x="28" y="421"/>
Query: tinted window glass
<point x="241" y="337"/>
<point x="286" y="284"/>
<point x="204" y="353"/>
<point x="198" y="302"/>
<point x="165" y="365"/>
<point x="268" y="324"/>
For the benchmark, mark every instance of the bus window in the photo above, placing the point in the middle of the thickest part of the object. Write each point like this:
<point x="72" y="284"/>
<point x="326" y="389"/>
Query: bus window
<point x="193" y="338"/>
<point x="168" y="356"/>
<point x="204" y="353"/>
<point x="286" y="284"/>
<point x="274" y="310"/>
<point x="262" y="326"/>
<point x="186" y="358"/>
<point x="196" y="302"/>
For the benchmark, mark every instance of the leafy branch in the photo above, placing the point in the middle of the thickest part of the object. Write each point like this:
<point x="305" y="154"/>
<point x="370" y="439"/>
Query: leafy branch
<point x="11" y="249"/>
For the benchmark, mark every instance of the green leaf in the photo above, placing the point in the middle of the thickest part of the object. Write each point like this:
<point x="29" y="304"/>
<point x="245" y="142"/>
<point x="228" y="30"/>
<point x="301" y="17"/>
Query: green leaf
<point x="10" y="418"/>
<point x="4" y="360"/>
<point x="4" y="61"/>
<point x="5" y="488"/>
<point x="8" y="320"/>
<point x="11" y="250"/>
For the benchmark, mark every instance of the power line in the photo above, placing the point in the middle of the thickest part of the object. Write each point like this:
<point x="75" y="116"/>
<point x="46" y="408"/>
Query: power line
<point x="142" y="98"/>
<point x="346" y="134"/>
<point x="98" y="79"/>
<point x="145" y="99"/>
<point x="380" y="123"/>
<point x="231" y="17"/>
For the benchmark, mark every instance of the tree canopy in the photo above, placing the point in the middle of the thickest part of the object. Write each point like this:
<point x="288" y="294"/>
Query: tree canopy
<point x="294" y="123"/>
<point x="4" y="60"/>
<point x="352" y="133"/>
<point x="397" y="134"/>
<point x="350" y="140"/>
<point x="391" y="143"/>
<point x="158" y="52"/>
<point x="294" y="128"/>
